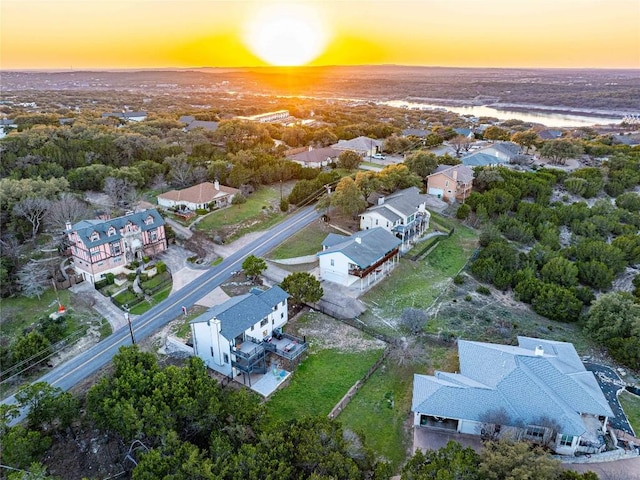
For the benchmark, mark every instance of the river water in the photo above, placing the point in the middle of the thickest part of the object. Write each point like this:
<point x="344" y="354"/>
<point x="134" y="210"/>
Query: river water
<point x="550" y="119"/>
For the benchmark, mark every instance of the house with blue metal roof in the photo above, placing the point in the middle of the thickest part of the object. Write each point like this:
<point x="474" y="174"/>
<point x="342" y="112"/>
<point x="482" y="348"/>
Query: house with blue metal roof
<point x="537" y="391"/>
<point x="104" y="246"/>
<point x="244" y="335"/>
<point x="362" y="257"/>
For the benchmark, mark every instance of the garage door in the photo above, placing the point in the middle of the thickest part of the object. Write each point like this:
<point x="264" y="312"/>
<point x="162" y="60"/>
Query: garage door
<point x="438" y="192"/>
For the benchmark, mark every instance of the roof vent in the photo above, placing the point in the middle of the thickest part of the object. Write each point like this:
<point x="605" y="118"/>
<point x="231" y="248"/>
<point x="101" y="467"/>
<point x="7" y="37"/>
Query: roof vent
<point x="539" y="351"/>
<point x="381" y="201"/>
<point x="358" y="240"/>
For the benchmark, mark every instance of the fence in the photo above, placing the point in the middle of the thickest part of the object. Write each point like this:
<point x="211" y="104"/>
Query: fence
<point x="344" y="401"/>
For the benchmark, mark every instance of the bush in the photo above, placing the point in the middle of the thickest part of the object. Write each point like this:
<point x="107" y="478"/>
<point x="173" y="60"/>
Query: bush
<point x="458" y="279"/>
<point x="201" y="211"/>
<point x="467" y="298"/>
<point x="161" y="267"/>
<point x="110" y="278"/>
<point x="131" y="276"/>
<point x="144" y="277"/>
<point x="100" y="284"/>
<point x="482" y="290"/>
<point x="463" y="211"/>
<point x="238" y="199"/>
<point x="284" y="205"/>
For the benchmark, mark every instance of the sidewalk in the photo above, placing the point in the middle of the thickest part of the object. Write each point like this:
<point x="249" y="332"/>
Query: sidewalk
<point x="102" y="305"/>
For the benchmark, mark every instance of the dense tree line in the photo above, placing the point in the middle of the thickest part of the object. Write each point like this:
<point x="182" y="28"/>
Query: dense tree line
<point x="558" y="255"/>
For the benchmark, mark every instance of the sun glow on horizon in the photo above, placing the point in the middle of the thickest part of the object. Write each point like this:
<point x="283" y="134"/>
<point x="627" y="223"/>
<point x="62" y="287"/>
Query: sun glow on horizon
<point x="286" y="34"/>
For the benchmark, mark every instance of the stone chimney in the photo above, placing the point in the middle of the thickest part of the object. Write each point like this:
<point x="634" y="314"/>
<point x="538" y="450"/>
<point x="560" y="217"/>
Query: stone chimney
<point x="67" y="225"/>
<point x="539" y="351"/>
<point x="216" y="185"/>
<point x="455" y="174"/>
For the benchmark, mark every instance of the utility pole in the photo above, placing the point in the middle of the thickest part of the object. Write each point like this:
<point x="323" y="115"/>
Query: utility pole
<point x="128" y="319"/>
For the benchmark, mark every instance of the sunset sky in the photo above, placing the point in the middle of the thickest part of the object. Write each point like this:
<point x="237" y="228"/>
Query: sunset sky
<point x="80" y="34"/>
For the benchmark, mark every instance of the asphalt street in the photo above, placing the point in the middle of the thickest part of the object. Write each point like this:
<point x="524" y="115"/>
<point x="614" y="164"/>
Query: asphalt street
<point x="87" y="363"/>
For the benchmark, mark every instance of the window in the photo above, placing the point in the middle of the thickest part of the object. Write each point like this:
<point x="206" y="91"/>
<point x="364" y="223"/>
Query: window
<point x="94" y="236"/>
<point x="446" y="184"/>
<point x="225" y="357"/>
<point x="149" y="220"/>
<point x="282" y="315"/>
<point x="252" y="327"/>
<point x="115" y="249"/>
<point x="264" y="322"/>
<point x="376" y="221"/>
<point x="112" y="231"/>
<point x="153" y="235"/>
<point x="536" y="433"/>
<point x="566" y="440"/>
<point x="333" y="263"/>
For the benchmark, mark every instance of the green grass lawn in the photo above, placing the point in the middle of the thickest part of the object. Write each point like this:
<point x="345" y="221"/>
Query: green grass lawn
<point x="631" y="406"/>
<point x="319" y="382"/>
<point x="254" y="210"/>
<point x="307" y="241"/>
<point x="418" y="284"/>
<point x="17" y="313"/>
<point x="155" y="299"/>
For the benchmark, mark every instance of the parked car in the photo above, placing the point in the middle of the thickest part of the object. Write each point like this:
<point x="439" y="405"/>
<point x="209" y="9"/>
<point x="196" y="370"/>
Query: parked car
<point x="379" y="156"/>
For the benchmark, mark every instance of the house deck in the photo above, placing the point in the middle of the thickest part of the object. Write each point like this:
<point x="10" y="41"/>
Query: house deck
<point x="265" y="384"/>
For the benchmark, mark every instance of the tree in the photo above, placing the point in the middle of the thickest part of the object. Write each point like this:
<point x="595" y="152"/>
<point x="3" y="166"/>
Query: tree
<point x="495" y="133"/>
<point x="452" y="462"/>
<point x="349" y="160"/>
<point x="413" y="320"/>
<point x="303" y="287"/>
<point x="557" y="303"/>
<point x="66" y="209"/>
<point x="526" y="139"/>
<point x="31" y="349"/>
<point x="367" y="182"/>
<point x="33" y="279"/>
<point x="397" y="177"/>
<point x="614" y="315"/>
<point x="47" y="404"/>
<point x="560" y="150"/>
<point x="422" y="163"/>
<point x="348" y="198"/>
<point x="120" y="190"/>
<point x="253" y="266"/>
<point x="460" y="143"/>
<point x="242" y="135"/>
<point x="516" y="461"/>
<point x="463" y="211"/>
<point x="560" y="271"/>
<point x="22" y="447"/>
<point x="34" y="210"/>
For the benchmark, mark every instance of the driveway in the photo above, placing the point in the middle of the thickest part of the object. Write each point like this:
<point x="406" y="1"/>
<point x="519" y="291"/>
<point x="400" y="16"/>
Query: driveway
<point x="610" y="383"/>
<point x="434" y="439"/>
<point x="625" y="469"/>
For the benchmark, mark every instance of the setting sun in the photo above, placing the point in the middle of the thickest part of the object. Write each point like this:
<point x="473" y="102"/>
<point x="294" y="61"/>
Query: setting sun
<point x="286" y="35"/>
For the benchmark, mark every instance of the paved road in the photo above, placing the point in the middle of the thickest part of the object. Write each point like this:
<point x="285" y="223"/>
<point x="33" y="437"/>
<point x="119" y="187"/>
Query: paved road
<point x="74" y="371"/>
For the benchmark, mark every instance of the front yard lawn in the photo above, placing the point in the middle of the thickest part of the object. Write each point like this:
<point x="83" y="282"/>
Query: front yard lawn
<point x="319" y="382"/>
<point x="20" y="312"/>
<point x="307" y="241"/>
<point x="631" y="406"/>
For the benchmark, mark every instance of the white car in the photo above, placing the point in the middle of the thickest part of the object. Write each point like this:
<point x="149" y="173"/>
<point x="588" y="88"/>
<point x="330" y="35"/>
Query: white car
<point x="378" y="156"/>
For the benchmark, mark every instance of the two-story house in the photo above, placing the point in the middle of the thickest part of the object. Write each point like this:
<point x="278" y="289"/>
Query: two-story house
<point x="237" y="336"/>
<point x="402" y="213"/>
<point x="451" y="182"/>
<point x="362" y="257"/>
<point x="99" y="247"/>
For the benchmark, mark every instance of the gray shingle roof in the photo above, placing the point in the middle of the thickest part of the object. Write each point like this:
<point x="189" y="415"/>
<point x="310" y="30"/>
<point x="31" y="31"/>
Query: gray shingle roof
<point x="374" y="244"/>
<point x="479" y="159"/>
<point x="465" y="173"/>
<point x="239" y="313"/>
<point x="528" y="386"/>
<point x="317" y="155"/>
<point x="85" y="228"/>
<point x="404" y="201"/>
<point x="358" y="144"/>
<point x="211" y="126"/>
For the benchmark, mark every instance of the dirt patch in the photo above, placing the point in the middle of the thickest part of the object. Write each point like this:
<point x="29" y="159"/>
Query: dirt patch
<point x="322" y="332"/>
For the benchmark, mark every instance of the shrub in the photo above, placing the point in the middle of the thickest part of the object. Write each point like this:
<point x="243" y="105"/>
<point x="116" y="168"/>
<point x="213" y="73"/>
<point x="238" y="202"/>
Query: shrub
<point x="238" y="199"/>
<point x="201" y="211"/>
<point x="110" y="278"/>
<point x="161" y="267"/>
<point x="483" y="290"/>
<point x="284" y="205"/>
<point x="458" y="279"/>
<point x="463" y="211"/>
<point x="144" y="277"/>
<point x="145" y="259"/>
<point x="100" y="284"/>
<point x="467" y="298"/>
<point x="131" y="276"/>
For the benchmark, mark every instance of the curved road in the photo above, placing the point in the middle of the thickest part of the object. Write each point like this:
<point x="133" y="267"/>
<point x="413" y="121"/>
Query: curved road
<point x="77" y="369"/>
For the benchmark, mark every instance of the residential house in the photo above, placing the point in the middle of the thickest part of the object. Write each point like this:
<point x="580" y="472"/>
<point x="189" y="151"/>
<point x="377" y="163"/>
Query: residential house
<point x="362" y="257"/>
<point x="538" y="391"/>
<point x="415" y="132"/>
<point x="451" y="182"/>
<point x="365" y="146"/>
<point x="499" y="153"/>
<point x="314" y="157"/>
<point x="105" y="246"/>
<point x="465" y="132"/>
<point x="238" y="336"/>
<point x="127" y="116"/>
<point x="206" y="195"/>
<point x="402" y="213"/>
<point x="191" y="123"/>
<point x="6" y="125"/>
<point x="549" y="134"/>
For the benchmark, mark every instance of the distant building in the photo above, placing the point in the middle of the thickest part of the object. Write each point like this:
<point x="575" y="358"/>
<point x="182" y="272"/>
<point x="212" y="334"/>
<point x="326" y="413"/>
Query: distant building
<point x="105" y="246"/>
<point x="365" y="146"/>
<point x="191" y="124"/>
<point x="127" y="116"/>
<point x="313" y="157"/>
<point x="205" y="195"/>
<point x="267" y="117"/>
<point x="6" y="125"/>
<point x="497" y="153"/>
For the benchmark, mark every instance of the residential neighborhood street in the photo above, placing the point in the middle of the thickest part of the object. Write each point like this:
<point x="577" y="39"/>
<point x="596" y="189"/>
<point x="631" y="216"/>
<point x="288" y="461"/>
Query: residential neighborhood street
<point x="74" y="371"/>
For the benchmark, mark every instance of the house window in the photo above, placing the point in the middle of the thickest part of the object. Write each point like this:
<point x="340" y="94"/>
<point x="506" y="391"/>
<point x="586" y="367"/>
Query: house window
<point x="264" y="322"/>
<point x="115" y="249"/>
<point x="535" y="433"/>
<point x="446" y="184"/>
<point x="252" y="327"/>
<point x="94" y="236"/>
<point x="566" y="440"/>
<point x="333" y="263"/>
<point x="225" y="357"/>
<point x="149" y="220"/>
<point x="376" y="221"/>
<point x="282" y="315"/>
<point x="153" y="235"/>
<point x="112" y="231"/>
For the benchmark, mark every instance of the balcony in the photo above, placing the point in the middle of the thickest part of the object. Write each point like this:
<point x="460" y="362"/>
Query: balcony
<point x="286" y="346"/>
<point x="249" y="357"/>
<point x="358" y="272"/>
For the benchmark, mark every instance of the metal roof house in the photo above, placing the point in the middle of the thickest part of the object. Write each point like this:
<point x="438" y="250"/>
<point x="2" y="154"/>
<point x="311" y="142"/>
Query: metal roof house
<point x="537" y="391"/>
<point x="364" y="256"/>
<point x="237" y="337"/>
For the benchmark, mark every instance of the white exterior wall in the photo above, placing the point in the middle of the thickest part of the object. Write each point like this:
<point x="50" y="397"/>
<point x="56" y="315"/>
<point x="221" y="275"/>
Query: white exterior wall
<point x="339" y="271"/>
<point x="368" y="220"/>
<point x="210" y="346"/>
<point x="566" y="449"/>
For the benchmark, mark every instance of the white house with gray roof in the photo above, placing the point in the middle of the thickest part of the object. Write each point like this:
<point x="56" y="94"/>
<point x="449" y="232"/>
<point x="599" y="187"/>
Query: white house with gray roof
<point x="365" y="146"/>
<point x="538" y="391"/>
<point x="362" y="257"/>
<point x="236" y="337"/>
<point x="402" y="213"/>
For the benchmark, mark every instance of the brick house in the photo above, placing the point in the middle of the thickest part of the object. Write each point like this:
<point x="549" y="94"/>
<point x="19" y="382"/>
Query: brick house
<point x="451" y="182"/>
